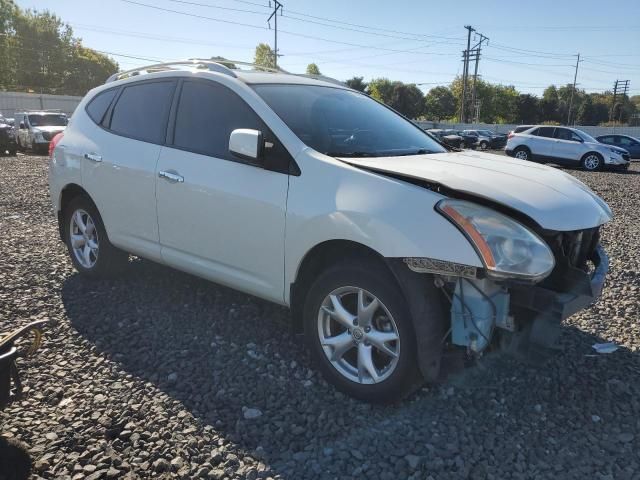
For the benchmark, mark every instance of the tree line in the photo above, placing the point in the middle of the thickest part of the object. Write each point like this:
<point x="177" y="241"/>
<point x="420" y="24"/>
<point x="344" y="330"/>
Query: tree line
<point x="39" y="53"/>
<point x="498" y="103"/>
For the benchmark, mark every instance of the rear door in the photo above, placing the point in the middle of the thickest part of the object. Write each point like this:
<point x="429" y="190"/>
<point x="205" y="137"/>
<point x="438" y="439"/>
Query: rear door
<point x="219" y="216"/>
<point x="567" y="146"/>
<point x="119" y="164"/>
<point x="541" y="142"/>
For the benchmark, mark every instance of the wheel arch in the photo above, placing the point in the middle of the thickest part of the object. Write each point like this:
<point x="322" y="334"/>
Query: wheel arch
<point x="67" y="194"/>
<point x="319" y="258"/>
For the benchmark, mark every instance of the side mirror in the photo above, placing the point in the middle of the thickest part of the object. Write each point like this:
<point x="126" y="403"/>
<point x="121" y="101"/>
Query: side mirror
<point x="22" y="127"/>
<point x="246" y="144"/>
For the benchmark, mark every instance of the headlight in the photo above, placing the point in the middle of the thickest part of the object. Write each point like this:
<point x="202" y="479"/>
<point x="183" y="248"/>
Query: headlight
<point x="506" y="248"/>
<point x="617" y="152"/>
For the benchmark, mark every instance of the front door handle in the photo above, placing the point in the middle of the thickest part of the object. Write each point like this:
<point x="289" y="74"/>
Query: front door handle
<point x="171" y="176"/>
<point x="94" y="157"/>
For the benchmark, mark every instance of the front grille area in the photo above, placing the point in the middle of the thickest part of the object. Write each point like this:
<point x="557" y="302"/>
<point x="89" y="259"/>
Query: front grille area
<point x="571" y="249"/>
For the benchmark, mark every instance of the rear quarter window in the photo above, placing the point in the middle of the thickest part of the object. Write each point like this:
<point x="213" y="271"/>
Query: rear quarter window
<point x="98" y="106"/>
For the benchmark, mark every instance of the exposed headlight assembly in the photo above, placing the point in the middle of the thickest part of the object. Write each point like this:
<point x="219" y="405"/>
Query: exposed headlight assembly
<point x="507" y="248"/>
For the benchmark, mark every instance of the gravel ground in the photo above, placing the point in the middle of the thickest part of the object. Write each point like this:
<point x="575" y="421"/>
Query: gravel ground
<point x="160" y="374"/>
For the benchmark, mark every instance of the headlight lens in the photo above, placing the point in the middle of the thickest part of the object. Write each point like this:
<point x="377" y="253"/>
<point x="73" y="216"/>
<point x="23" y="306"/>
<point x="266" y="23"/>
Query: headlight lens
<point x="507" y="248"/>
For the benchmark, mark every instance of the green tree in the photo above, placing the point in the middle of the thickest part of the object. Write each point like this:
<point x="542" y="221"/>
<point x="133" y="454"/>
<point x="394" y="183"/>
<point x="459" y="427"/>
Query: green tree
<point x="527" y="109"/>
<point x="587" y="112"/>
<point x="381" y="89"/>
<point x="312" y="69"/>
<point x="39" y="53"/>
<point x="440" y="103"/>
<point x="407" y="99"/>
<point x="549" y="105"/>
<point x="357" y="83"/>
<point x="264" y="56"/>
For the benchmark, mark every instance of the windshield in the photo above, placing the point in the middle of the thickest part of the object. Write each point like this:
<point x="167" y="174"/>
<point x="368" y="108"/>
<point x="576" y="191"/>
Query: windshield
<point x="48" y="120"/>
<point x="586" y="137"/>
<point x="344" y="123"/>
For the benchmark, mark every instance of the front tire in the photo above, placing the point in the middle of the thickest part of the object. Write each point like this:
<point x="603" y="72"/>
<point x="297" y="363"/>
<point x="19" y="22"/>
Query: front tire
<point x="484" y="145"/>
<point x="89" y="247"/>
<point x="592" y="162"/>
<point x="360" y="332"/>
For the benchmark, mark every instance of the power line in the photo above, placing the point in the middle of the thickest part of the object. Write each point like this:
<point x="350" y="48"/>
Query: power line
<point x="258" y="27"/>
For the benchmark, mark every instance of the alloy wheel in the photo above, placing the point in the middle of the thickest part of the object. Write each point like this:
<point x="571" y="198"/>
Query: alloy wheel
<point x="358" y="335"/>
<point x="83" y="238"/>
<point x="522" y="155"/>
<point x="592" y="162"/>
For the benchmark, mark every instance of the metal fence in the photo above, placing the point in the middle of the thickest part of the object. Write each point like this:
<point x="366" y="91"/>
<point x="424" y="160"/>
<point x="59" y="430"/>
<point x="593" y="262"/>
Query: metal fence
<point x="506" y="128"/>
<point x="12" y="102"/>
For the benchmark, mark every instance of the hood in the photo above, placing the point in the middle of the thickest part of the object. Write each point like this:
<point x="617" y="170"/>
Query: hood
<point x="552" y="198"/>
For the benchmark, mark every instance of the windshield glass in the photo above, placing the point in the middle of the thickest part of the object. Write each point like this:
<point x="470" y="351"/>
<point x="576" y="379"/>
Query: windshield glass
<point x="586" y="137"/>
<point x="344" y="123"/>
<point x="48" y="120"/>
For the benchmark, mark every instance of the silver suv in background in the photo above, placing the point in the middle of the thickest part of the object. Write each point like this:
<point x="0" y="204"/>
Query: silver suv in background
<point x="565" y="146"/>
<point x="37" y="128"/>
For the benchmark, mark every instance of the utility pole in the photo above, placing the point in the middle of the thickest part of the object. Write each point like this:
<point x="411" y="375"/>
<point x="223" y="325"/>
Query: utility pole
<point x="575" y="77"/>
<point x="477" y="49"/>
<point x="465" y="73"/>
<point x="276" y="6"/>
<point x="621" y="87"/>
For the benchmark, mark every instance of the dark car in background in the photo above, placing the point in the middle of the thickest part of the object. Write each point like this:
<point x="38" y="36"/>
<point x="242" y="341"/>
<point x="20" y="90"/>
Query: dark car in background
<point x="7" y="138"/>
<point x="449" y="137"/>
<point x="629" y="143"/>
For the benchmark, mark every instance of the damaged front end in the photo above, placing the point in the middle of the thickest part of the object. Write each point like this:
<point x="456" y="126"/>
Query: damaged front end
<point x="517" y="302"/>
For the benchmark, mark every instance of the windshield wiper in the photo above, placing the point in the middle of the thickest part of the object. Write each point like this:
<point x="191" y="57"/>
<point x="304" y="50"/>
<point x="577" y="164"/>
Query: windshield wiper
<point x="421" y="151"/>
<point x="351" y="154"/>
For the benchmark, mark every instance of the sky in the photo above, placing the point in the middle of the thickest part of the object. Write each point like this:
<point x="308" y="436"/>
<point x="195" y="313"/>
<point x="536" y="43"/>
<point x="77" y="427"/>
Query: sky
<point x="531" y="44"/>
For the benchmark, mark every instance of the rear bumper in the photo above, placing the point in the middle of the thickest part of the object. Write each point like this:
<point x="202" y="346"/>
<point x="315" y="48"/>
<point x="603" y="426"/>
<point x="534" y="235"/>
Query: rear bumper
<point x="508" y="151"/>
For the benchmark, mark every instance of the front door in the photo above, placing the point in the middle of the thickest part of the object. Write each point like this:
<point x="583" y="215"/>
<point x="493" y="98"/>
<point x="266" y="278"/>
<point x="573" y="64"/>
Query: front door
<point x="219" y="216"/>
<point x="567" y="146"/>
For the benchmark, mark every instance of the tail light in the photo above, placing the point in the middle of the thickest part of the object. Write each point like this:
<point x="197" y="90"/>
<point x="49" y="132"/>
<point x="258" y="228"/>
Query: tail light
<point x="511" y="134"/>
<point x="54" y="141"/>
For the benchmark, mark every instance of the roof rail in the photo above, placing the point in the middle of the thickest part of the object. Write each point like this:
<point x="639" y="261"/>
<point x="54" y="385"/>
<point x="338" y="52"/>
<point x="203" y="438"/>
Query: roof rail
<point x="323" y="78"/>
<point x="219" y="66"/>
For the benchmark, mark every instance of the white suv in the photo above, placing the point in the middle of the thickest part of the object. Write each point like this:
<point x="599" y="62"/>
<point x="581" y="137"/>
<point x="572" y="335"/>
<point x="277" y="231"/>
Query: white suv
<point x="388" y="248"/>
<point x="565" y="146"/>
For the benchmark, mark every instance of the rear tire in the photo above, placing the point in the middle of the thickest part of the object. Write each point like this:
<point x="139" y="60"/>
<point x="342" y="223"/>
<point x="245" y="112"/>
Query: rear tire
<point x="523" y="153"/>
<point x="369" y="352"/>
<point x="89" y="247"/>
<point x="592" y="162"/>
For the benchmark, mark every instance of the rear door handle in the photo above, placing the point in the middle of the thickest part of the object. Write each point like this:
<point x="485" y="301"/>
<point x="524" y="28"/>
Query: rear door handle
<point x="94" y="157"/>
<point x="171" y="176"/>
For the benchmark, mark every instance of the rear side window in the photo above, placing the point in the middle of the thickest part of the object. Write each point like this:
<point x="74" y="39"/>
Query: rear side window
<point x="142" y="110"/>
<point x="545" y="132"/>
<point x="606" y="139"/>
<point x="207" y="114"/>
<point x="99" y="105"/>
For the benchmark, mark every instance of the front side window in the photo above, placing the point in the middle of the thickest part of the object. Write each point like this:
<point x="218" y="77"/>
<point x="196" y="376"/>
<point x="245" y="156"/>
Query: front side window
<point x="545" y="132"/>
<point x="566" y="134"/>
<point x="47" y="120"/>
<point x="142" y="110"/>
<point x="625" y="142"/>
<point x="207" y="114"/>
<point x="344" y="123"/>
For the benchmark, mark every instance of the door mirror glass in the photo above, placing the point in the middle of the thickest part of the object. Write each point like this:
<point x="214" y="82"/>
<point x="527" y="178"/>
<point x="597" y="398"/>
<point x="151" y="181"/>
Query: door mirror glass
<point x="246" y="143"/>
